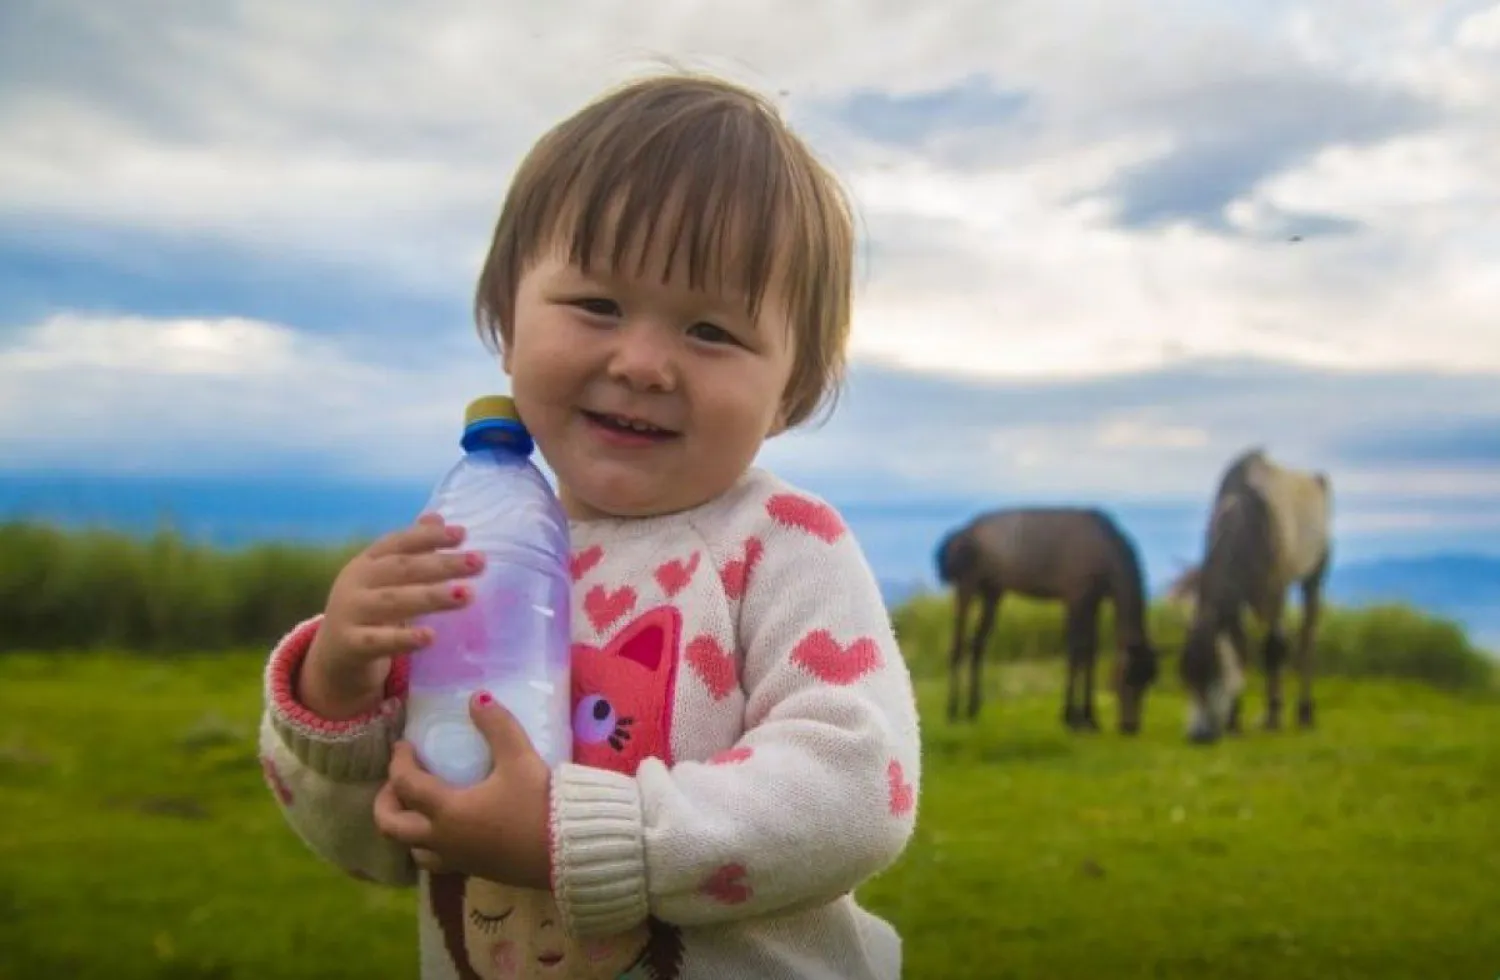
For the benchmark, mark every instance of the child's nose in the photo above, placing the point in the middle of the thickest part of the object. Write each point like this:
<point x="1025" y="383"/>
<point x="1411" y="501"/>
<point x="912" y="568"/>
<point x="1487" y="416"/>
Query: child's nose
<point x="644" y="358"/>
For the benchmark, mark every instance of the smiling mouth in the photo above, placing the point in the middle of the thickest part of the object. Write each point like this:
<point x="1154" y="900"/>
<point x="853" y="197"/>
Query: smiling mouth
<point x="631" y="426"/>
<point x="550" y="959"/>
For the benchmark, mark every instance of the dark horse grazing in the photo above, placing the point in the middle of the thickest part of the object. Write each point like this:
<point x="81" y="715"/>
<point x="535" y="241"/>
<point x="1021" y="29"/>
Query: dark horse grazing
<point x="1269" y="529"/>
<point x="1075" y="555"/>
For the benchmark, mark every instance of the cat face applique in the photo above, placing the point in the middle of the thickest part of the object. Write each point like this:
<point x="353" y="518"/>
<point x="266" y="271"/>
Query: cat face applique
<point x="622" y="695"/>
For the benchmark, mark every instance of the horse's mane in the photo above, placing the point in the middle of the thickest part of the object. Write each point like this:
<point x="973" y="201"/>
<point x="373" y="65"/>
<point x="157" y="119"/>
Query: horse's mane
<point x="1132" y="602"/>
<point x="1238" y="553"/>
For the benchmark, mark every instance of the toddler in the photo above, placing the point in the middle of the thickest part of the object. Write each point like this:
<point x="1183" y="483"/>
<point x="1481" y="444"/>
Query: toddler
<point x="669" y="285"/>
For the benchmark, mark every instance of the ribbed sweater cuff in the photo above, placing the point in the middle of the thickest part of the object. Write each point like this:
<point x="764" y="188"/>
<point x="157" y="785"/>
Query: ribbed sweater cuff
<point x="598" y="850"/>
<point x="354" y="750"/>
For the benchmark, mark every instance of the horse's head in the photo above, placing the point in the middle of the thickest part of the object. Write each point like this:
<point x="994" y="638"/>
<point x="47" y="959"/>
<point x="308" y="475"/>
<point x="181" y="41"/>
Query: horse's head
<point x="1134" y="674"/>
<point x="1235" y="561"/>
<point x="1212" y="677"/>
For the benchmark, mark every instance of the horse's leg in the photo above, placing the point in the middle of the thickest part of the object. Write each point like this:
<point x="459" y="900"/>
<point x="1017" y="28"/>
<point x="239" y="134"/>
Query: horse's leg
<point x="987" y="611"/>
<point x="1088" y="642"/>
<point x="1070" y="713"/>
<point x="1312" y="601"/>
<point x="961" y="598"/>
<point x="1077" y="630"/>
<point x="1273" y="653"/>
<point x="1239" y="646"/>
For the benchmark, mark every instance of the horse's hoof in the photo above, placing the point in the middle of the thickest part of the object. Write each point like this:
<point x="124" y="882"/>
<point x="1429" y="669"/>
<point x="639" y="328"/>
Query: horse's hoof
<point x="1305" y="715"/>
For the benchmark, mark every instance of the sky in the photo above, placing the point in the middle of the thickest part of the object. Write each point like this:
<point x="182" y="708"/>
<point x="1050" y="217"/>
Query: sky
<point x="1104" y="247"/>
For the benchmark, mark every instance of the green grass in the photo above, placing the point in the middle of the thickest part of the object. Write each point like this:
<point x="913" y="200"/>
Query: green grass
<point x="137" y="839"/>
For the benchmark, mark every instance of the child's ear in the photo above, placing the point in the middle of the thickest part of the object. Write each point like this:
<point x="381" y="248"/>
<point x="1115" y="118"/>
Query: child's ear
<point x="505" y="357"/>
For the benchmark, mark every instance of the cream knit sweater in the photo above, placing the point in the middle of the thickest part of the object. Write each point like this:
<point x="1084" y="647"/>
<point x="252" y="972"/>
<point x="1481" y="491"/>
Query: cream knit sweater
<point x="745" y="754"/>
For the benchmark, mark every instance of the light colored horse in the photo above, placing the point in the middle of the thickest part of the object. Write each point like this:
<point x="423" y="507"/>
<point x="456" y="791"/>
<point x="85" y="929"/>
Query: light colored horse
<point x="1270" y="529"/>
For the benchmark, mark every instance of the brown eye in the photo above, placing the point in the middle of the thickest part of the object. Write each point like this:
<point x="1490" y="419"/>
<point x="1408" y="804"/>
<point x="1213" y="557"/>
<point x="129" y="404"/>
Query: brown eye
<point x="598" y="306"/>
<point x="713" y="334"/>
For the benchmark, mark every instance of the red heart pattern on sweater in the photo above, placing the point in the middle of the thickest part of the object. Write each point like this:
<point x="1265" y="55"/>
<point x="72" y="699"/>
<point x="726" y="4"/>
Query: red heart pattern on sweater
<point x="728" y="885"/>
<point x="817" y="519"/>
<point x="732" y="756"/>
<point x="736" y="573"/>
<point x="673" y="576"/>
<point x="605" y="608"/>
<point x="713" y="665"/>
<point x="903" y="796"/>
<point x="822" y="656"/>
<point x="583" y="561"/>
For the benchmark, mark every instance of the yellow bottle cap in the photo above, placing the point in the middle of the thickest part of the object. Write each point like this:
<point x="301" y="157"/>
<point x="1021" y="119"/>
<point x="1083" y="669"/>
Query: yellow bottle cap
<point x="490" y="407"/>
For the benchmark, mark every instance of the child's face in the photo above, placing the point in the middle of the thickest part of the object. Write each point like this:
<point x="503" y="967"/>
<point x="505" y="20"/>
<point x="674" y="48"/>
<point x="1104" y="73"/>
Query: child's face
<point x="591" y="354"/>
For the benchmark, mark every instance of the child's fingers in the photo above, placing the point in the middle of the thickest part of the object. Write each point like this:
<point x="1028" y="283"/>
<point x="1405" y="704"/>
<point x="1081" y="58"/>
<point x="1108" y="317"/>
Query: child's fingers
<point x="404" y="826"/>
<point x="396" y="604"/>
<point x="406" y="569"/>
<point x="418" y="538"/>
<point x="414" y="787"/>
<point x="373" y="642"/>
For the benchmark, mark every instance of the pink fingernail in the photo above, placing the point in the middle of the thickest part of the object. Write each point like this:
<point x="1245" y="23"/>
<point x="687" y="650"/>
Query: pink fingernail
<point x="460" y="593"/>
<point x="474" y="562"/>
<point x="484" y="699"/>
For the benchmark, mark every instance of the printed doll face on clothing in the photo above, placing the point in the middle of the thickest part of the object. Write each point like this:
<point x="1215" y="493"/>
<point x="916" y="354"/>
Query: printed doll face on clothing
<point x="645" y="395"/>
<point x="516" y="933"/>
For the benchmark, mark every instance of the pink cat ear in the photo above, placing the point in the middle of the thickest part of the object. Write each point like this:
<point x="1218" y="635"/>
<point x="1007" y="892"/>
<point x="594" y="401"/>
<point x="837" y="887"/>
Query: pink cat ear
<point x="649" y="640"/>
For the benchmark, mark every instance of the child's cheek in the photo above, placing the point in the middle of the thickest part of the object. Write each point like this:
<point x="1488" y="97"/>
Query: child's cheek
<point x="503" y="958"/>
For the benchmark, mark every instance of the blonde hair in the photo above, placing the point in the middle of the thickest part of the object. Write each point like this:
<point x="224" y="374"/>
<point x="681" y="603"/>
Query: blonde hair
<point x="742" y="183"/>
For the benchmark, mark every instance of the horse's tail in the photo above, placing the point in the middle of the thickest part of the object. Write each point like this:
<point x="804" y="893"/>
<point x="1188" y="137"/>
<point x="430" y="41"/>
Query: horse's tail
<point x="955" y="556"/>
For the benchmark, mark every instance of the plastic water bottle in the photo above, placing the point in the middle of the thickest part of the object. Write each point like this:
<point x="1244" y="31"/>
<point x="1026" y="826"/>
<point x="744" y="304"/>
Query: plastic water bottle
<point x="512" y="638"/>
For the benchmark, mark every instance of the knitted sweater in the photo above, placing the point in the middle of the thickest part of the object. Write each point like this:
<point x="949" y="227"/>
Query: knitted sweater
<point x="745" y="753"/>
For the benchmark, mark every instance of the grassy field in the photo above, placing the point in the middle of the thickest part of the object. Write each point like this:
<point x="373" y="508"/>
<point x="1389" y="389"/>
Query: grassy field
<point x="137" y="839"/>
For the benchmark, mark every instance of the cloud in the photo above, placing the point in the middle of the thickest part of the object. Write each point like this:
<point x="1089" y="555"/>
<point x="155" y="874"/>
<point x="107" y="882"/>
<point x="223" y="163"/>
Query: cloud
<point x="1241" y="130"/>
<point x="915" y="117"/>
<point x="246" y="235"/>
<point x="995" y="152"/>
<point x="1457" y="443"/>
<point x="195" y="395"/>
<point x="224" y="396"/>
<point x="1157" y="435"/>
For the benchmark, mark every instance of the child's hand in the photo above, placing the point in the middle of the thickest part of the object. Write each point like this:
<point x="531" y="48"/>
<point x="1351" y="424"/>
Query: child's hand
<point x="497" y="829"/>
<point x="401" y="576"/>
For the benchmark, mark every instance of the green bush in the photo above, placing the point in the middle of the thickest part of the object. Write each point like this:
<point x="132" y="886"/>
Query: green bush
<point x="92" y="589"/>
<point x="1386" y="640"/>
